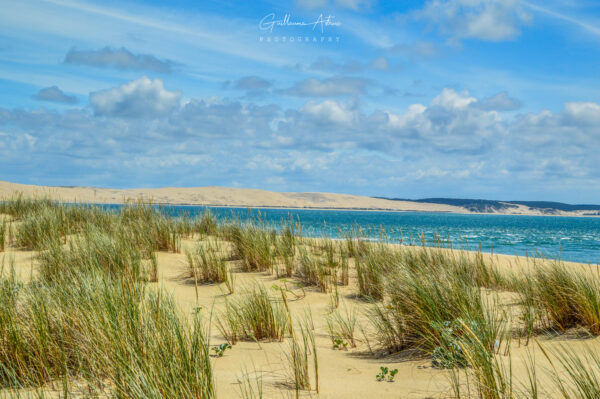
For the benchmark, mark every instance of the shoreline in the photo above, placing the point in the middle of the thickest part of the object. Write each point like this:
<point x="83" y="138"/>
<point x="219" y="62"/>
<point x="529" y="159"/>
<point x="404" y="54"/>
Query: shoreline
<point x="456" y="245"/>
<point x="308" y="208"/>
<point x="382" y="210"/>
<point x="227" y="197"/>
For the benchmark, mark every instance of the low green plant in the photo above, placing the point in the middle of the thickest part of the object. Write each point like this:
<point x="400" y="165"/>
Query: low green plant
<point x="392" y="375"/>
<point x="385" y="374"/>
<point x="340" y="344"/>
<point x="448" y="353"/>
<point x="219" y="350"/>
<point x="487" y="375"/>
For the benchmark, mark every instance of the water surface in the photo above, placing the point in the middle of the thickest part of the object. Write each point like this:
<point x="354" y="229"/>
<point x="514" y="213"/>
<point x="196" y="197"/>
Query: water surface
<point x="574" y="239"/>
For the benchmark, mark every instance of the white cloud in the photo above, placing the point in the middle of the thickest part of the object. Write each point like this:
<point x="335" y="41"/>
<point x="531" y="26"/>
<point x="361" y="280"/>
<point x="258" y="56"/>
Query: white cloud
<point x="328" y="111"/>
<point x="141" y="97"/>
<point x="330" y="87"/>
<point x="449" y="142"/>
<point x="252" y="83"/>
<point x="491" y="20"/>
<point x="582" y="113"/>
<point x="55" y="94"/>
<point x="499" y="102"/>
<point x="450" y="99"/>
<point x="118" y="58"/>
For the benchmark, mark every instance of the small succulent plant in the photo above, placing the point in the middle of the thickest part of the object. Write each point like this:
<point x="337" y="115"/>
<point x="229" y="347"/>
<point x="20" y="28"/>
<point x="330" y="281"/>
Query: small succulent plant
<point x="392" y="375"/>
<point x="386" y="374"/>
<point x="220" y="350"/>
<point x="340" y="344"/>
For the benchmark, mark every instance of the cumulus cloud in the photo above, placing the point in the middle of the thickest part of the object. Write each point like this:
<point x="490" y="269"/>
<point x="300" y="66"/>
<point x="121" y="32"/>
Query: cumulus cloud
<point x="448" y="142"/>
<point x="500" y="102"/>
<point x="328" y="111"/>
<point x="141" y="97"/>
<point x="252" y="83"/>
<point x="54" y="94"/>
<point x="491" y="20"/>
<point x="118" y="58"/>
<point x="330" y="87"/>
<point x="452" y="100"/>
<point x="582" y="113"/>
<point x="254" y="86"/>
<point x="222" y="119"/>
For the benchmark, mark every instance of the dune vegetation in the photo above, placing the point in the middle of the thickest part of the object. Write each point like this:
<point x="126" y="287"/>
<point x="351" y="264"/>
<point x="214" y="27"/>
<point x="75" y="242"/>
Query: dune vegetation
<point x="92" y="316"/>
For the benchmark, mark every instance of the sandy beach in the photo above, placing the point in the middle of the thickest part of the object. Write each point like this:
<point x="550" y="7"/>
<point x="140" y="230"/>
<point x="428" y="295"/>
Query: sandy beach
<point x="348" y="373"/>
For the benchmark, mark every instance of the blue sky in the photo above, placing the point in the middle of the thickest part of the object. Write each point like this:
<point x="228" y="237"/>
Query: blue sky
<point x="455" y="98"/>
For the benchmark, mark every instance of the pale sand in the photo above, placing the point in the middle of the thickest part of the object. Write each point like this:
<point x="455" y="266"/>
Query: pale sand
<point x="241" y="197"/>
<point x="342" y="374"/>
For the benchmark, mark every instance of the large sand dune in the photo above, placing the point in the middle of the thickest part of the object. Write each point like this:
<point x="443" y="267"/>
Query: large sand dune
<point x="241" y="197"/>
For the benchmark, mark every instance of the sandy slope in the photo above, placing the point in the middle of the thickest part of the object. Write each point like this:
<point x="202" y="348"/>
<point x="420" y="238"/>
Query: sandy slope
<point x="223" y="196"/>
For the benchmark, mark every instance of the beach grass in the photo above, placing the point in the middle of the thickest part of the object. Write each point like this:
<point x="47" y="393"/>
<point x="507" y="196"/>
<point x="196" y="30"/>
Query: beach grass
<point x="207" y="263"/>
<point x="112" y="334"/>
<point x="253" y="316"/>
<point x="89" y="297"/>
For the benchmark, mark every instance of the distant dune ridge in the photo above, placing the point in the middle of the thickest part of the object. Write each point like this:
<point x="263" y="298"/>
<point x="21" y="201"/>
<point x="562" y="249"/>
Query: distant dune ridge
<point x="242" y="197"/>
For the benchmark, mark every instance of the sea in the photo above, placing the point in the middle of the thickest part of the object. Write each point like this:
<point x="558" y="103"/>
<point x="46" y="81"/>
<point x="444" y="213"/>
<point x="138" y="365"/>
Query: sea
<point x="575" y="239"/>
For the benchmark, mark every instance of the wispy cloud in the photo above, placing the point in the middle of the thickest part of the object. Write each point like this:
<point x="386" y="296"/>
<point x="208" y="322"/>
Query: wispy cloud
<point x="118" y="58"/>
<point x="575" y="21"/>
<point x="215" y="36"/>
<point x="488" y="20"/>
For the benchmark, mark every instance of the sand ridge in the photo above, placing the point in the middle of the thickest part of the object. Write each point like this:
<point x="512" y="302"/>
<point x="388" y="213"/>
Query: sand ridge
<point x="243" y="197"/>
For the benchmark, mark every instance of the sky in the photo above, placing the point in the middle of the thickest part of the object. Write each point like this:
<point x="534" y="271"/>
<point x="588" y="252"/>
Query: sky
<point x="494" y="99"/>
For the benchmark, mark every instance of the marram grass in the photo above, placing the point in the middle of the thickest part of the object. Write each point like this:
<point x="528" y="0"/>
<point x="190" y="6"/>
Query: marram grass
<point x="113" y="334"/>
<point x="253" y="315"/>
<point x="88" y="319"/>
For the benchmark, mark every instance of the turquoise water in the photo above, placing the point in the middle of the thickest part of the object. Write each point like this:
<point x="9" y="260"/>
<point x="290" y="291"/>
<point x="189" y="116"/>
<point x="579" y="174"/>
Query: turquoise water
<point x="571" y="238"/>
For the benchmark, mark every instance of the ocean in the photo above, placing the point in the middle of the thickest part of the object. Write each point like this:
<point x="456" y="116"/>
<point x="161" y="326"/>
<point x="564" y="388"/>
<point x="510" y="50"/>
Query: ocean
<point x="574" y="239"/>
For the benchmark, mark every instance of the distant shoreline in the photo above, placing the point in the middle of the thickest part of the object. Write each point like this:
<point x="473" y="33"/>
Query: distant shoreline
<point x="351" y="209"/>
<point x="226" y="197"/>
